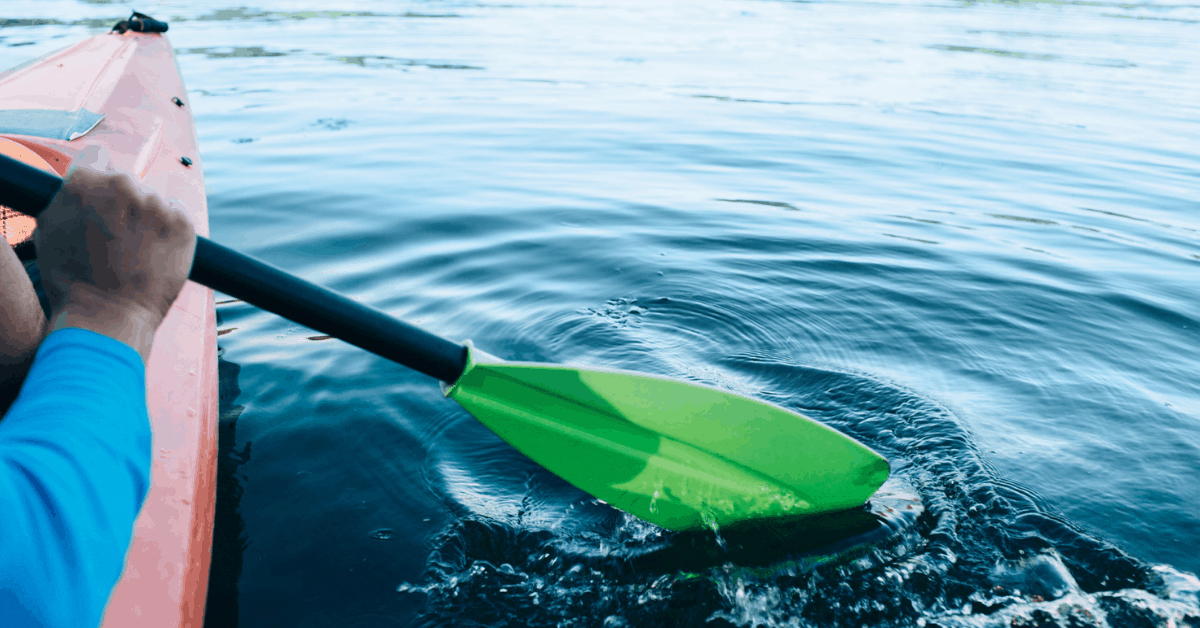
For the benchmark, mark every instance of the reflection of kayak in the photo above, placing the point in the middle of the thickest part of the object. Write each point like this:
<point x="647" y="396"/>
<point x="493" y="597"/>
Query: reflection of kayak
<point x="123" y="91"/>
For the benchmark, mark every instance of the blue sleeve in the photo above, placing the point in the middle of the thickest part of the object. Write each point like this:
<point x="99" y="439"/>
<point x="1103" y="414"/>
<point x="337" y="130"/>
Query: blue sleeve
<point x="74" y="469"/>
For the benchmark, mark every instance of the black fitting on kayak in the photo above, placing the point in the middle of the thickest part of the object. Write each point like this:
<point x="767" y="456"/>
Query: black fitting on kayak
<point x="178" y="103"/>
<point x="185" y="161"/>
<point x="140" y="23"/>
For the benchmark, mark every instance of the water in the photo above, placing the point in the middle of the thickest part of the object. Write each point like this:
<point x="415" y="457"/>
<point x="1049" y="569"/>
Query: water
<point x="964" y="233"/>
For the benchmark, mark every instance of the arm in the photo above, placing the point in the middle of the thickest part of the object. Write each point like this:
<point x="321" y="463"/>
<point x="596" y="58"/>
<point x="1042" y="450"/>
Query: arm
<point x="22" y="325"/>
<point x="74" y="469"/>
<point x="75" y="447"/>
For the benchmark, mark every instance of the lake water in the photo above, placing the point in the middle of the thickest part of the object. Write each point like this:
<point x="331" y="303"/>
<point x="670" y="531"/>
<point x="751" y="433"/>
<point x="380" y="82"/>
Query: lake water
<point x="965" y="233"/>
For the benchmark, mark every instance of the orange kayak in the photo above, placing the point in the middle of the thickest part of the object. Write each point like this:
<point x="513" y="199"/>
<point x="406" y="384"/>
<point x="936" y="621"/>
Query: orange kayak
<point x="123" y="91"/>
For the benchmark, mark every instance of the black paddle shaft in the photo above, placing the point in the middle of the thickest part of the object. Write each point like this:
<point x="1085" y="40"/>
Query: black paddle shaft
<point x="308" y="304"/>
<point x="29" y="190"/>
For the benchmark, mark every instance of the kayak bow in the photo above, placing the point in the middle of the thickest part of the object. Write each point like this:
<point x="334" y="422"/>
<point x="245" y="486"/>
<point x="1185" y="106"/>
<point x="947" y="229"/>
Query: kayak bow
<point x="122" y="90"/>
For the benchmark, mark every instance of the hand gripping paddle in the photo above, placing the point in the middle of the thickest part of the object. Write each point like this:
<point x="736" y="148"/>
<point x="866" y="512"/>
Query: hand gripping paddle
<point x="679" y="455"/>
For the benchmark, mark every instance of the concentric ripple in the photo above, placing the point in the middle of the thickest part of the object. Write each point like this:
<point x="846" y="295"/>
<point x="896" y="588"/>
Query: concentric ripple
<point x="945" y="542"/>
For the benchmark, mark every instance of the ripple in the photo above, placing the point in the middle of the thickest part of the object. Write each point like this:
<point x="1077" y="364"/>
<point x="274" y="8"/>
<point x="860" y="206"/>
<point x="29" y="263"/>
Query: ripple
<point x="944" y="534"/>
<point x="753" y="202"/>
<point x="382" y="534"/>
<point x="226" y="52"/>
<point x="1032" y="383"/>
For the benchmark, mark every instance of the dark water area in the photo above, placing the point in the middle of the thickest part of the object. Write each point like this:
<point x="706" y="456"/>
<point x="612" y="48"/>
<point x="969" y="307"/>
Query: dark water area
<point x="964" y="233"/>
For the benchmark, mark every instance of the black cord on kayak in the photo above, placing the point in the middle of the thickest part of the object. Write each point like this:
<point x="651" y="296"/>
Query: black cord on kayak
<point x="140" y="23"/>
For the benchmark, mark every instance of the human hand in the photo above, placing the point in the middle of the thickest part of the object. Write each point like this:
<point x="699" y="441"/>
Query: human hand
<point x="113" y="255"/>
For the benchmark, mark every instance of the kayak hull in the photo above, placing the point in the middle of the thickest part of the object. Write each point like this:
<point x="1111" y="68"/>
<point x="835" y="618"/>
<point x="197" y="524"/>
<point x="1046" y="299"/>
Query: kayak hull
<point x="124" y="92"/>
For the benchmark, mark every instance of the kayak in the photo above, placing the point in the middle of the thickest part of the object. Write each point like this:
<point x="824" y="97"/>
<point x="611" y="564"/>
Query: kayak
<point x="122" y="90"/>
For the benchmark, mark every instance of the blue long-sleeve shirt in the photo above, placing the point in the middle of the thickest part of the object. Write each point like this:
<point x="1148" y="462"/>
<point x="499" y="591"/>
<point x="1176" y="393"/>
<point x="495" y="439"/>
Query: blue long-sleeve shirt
<point x="74" y="469"/>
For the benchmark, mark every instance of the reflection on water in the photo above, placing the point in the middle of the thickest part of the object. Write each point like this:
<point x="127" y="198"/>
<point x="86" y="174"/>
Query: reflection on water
<point x="225" y="52"/>
<point x="229" y="542"/>
<point x="963" y="233"/>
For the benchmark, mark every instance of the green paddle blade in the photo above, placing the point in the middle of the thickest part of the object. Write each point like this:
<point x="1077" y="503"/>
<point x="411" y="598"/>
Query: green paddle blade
<point x="679" y="455"/>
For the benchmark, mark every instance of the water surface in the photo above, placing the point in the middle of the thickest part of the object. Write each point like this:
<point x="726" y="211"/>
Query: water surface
<point x="963" y="232"/>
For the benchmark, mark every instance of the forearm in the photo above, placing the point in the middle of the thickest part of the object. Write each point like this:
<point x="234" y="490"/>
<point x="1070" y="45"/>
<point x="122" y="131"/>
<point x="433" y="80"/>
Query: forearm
<point x="74" y="469"/>
<point x="22" y="324"/>
<point x="130" y="325"/>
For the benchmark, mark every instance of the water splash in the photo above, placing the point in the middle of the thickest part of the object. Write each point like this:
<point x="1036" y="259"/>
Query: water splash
<point x="944" y="543"/>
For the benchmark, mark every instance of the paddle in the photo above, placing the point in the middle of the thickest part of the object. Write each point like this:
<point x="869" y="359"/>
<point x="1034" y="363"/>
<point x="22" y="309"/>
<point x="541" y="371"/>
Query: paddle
<point x="677" y="454"/>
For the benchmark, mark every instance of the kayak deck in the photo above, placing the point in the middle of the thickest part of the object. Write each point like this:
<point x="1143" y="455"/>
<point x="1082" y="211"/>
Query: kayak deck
<point x="124" y="92"/>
